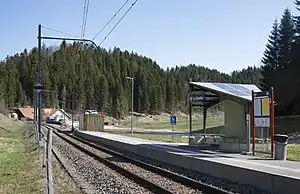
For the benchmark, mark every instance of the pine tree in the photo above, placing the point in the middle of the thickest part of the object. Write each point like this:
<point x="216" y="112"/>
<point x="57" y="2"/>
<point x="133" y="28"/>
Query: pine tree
<point x="170" y="94"/>
<point x="11" y="90"/>
<point x="294" y="79"/>
<point x="138" y="101"/>
<point x="1" y="89"/>
<point x="89" y="91"/>
<point x="297" y="23"/>
<point x="270" y="59"/>
<point x="102" y="93"/>
<point x="62" y="96"/>
<point x="286" y="38"/>
<point x="116" y="98"/>
<point x="145" y="101"/>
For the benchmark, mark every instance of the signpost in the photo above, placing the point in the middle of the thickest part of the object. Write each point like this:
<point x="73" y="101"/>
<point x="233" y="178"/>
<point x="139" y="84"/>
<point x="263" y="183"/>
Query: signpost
<point x="173" y="123"/>
<point x="262" y="114"/>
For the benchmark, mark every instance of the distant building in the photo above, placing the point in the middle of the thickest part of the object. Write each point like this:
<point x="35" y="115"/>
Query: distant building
<point x="90" y="112"/>
<point x="14" y="115"/>
<point x="52" y="115"/>
<point x="57" y="116"/>
<point x="25" y="114"/>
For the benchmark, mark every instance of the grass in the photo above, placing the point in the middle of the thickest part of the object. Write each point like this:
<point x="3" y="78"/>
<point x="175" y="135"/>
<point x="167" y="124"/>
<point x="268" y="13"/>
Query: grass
<point x="62" y="182"/>
<point x="20" y="171"/>
<point x="293" y="153"/>
<point x="182" y="124"/>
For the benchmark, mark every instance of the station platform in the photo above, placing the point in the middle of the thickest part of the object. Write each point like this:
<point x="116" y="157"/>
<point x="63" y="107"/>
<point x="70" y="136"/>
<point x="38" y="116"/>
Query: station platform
<point x="272" y="175"/>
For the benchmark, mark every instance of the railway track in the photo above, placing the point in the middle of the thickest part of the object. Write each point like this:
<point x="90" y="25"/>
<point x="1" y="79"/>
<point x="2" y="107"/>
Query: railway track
<point x="155" y="179"/>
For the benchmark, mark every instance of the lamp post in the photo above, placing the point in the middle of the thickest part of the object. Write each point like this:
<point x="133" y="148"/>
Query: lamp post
<point x="132" y="93"/>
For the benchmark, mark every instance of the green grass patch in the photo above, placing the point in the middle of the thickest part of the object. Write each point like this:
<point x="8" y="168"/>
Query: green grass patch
<point x="62" y="181"/>
<point x="20" y="171"/>
<point x="182" y="124"/>
<point x="293" y="153"/>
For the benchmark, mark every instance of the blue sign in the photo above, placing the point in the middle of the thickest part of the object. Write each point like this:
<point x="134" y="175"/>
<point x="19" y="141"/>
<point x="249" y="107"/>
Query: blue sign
<point x="173" y="120"/>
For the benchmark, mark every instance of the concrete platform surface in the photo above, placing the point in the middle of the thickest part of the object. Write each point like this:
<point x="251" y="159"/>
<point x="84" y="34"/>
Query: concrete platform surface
<point x="127" y="139"/>
<point x="273" y="175"/>
<point x="284" y="168"/>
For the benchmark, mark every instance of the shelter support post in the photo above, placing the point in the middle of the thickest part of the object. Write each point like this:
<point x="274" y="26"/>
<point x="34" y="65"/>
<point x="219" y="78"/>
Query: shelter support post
<point x="190" y="120"/>
<point x="190" y="115"/>
<point x="190" y="109"/>
<point x="204" y="118"/>
<point x="252" y="124"/>
<point x="272" y="122"/>
<point x="248" y="126"/>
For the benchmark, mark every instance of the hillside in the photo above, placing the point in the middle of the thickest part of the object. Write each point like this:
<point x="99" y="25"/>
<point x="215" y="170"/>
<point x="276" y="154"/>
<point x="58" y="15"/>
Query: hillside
<point x="97" y="79"/>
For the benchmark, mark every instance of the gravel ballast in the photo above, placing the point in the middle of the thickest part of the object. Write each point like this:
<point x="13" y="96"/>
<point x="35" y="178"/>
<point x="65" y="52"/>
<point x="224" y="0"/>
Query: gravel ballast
<point x="97" y="177"/>
<point x="227" y="185"/>
<point x="164" y="182"/>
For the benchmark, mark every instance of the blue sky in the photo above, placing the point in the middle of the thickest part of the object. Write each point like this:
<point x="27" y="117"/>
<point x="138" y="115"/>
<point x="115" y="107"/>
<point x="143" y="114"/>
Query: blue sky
<point x="226" y="34"/>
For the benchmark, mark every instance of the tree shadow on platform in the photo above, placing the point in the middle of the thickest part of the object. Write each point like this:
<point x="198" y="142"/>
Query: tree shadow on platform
<point x="207" y="156"/>
<point x="260" y="159"/>
<point x="199" y="148"/>
<point x="192" y="152"/>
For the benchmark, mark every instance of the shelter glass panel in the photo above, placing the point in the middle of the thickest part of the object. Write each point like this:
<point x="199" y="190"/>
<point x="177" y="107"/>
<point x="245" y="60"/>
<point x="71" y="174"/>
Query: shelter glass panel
<point x="240" y="88"/>
<point x="238" y="93"/>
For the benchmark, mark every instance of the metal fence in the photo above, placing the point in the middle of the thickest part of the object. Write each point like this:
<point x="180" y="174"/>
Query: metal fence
<point x="46" y="141"/>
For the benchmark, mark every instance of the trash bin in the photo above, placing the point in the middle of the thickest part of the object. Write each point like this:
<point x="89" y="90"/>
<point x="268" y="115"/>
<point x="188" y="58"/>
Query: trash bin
<point x="280" y="146"/>
<point x="191" y="140"/>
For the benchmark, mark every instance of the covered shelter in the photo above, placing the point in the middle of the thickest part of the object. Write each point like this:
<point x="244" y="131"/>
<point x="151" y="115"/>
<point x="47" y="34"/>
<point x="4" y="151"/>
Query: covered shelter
<point x="234" y="136"/>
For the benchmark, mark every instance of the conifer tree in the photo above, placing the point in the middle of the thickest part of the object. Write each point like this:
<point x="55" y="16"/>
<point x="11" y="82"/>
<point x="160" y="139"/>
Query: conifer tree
<point x="97" y="77"/>
<point x="286" y="39"/>
<point x="270" y="59"/>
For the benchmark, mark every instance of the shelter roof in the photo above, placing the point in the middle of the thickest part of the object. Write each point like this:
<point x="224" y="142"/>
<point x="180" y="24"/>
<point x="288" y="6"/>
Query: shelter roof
<point x="239" y="91"/>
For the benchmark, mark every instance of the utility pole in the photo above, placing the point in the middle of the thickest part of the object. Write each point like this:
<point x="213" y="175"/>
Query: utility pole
<point x="39" y="87"/>
<point x="35" y="121"/>
<point x="132" y="100"/>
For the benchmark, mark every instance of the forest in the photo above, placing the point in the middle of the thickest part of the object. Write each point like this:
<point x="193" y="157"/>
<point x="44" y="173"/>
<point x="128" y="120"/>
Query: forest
<point x="83" y="77"/>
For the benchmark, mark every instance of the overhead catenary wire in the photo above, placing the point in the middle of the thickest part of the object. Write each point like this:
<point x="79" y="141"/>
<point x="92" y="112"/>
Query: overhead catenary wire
<point x="110" y="19"/>
<point x="118" y="22"/>
<point x="70" y="38"/>
<point x="59" y="31"/>
<point x="86" y="16"/>
<point x="83" y="16"/>
<point x="68" y="34"/>
<point x="84" y="19"/>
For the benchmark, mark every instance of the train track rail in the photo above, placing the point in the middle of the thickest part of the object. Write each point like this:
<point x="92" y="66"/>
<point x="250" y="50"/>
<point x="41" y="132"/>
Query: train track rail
<point x="145" y="182"/>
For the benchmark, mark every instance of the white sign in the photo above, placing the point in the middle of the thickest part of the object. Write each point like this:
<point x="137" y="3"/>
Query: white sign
<point x="257" y="107"/>
<point x="262" y="122"/>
